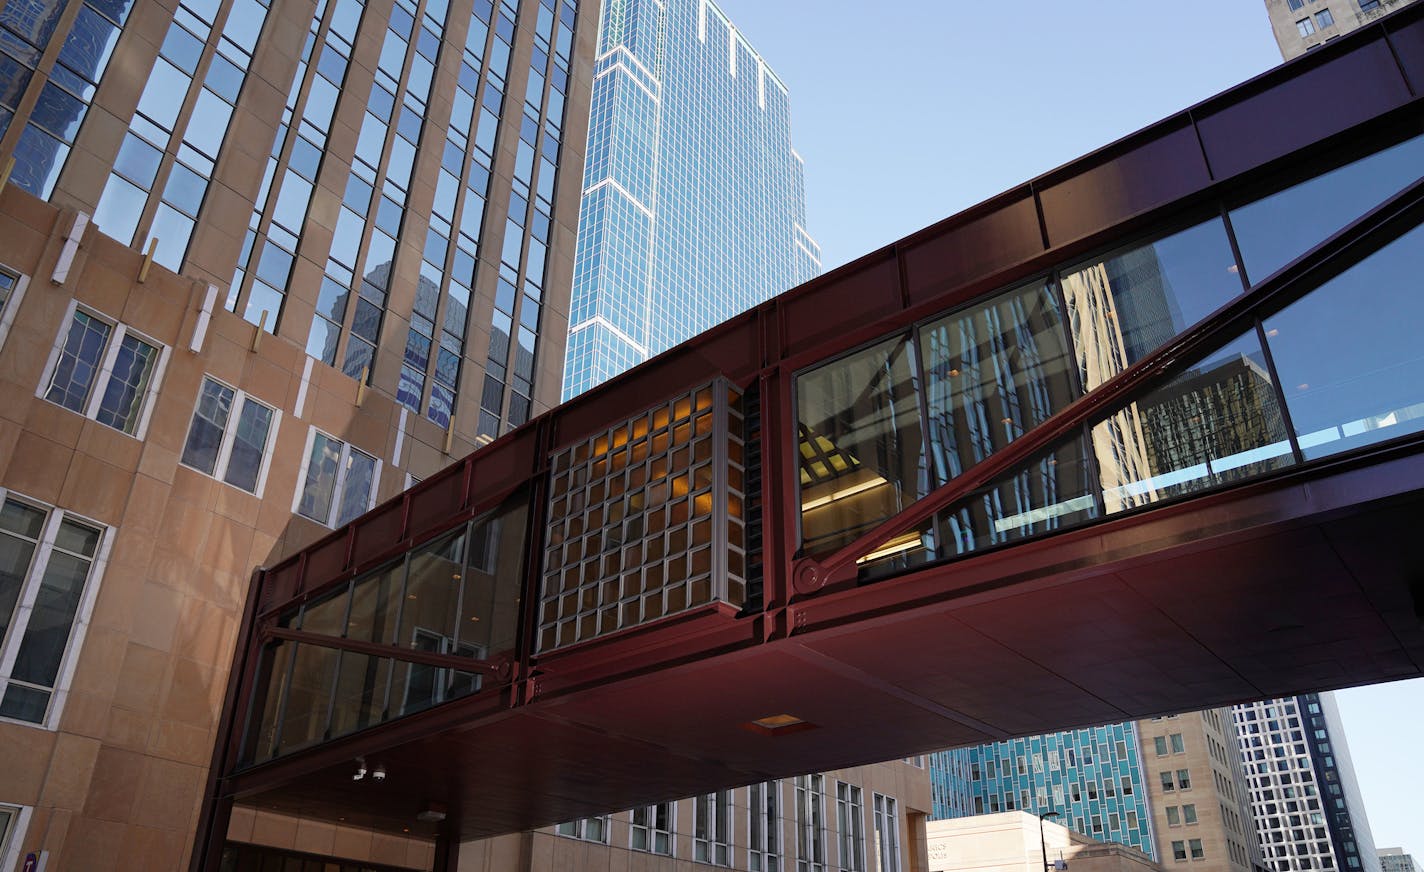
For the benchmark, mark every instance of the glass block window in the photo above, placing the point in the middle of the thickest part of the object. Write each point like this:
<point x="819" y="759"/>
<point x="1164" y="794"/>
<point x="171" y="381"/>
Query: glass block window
<point x="646" y="520"/>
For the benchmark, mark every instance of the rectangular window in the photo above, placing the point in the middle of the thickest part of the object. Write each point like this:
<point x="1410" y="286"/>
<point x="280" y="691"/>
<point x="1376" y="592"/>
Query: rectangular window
<point x="1324" y="19"/>
<point x="593" y="829"/>
<point x="713" y="834"/>
<point x="338" y="481"/>
<point x="1179" y="850"/>
<point x="1184" y="779"/>
<point x="1305" y="26"/>
<point x="12" y="290"/>
<point x="810" y="823"/>
<point x="887" y="833"/>
<point x="1168" y="785"/>
<point x="233" y="448"/>
<point x="764" y="826"/>
<point x="850" y="827"/>
<point x="1174" y="816"/>
<point x="1178" y="746"/>
<point x="104" y="372"/>
<point x="1189" y="814"/>
<point x="1160" y="745"/>
<point x="47" y="560"/>
<point x="651" y="829"/>
<point x="1196" y="847"/>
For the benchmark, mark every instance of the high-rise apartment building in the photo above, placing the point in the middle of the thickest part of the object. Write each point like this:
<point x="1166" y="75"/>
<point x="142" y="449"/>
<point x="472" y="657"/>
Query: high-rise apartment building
<point x="1093" y="778"/>
<point x="693" y="201"/>
<point x="1304" y="798"/>
<point x="1301" y="25"/>
<point x="263" y="264"/>
<point x="1396" y="860"/>
<point x="1201" y="811"/>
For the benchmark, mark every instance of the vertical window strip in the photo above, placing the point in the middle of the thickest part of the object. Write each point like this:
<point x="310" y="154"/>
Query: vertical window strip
<point x="44" y="607"/>
<point x="289" y="179"/>
<point x="64" y="100"/>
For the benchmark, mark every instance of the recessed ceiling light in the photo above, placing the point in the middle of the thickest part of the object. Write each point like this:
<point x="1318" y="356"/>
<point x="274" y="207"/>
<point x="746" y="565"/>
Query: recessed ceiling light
<point x="779" y="725"/>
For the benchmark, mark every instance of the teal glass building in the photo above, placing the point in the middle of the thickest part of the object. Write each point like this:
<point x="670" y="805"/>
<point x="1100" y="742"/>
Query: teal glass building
<point x="1092" y="777"/>
<point x="693" y="200"/>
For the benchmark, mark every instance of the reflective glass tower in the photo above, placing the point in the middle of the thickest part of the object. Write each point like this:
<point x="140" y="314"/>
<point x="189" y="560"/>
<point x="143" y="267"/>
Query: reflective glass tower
<point x="693" y="202"/>
<point x="1093" y="779"/>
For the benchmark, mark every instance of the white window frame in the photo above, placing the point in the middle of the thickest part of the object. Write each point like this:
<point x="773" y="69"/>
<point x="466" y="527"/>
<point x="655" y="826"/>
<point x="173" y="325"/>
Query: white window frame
<point x="579" y="829"/>
<point x="764" y="854"/>
<point x="12" y="302"/>
<point x="11" y="839"/>
<point x="850" y="827"/>
<point x="239" y="401"/>
<point x="811" y="823"/>
<point x="105" y="370"/>
<point x="29" y="591"/>
<point x="339" y="488"/>
<point x="651" y="830"/>
<point x="718" y="841"/>
<point x="887" y="833"/>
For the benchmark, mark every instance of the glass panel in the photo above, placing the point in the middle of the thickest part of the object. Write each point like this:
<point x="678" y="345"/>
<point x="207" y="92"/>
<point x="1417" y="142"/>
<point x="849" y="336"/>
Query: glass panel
<point x="261" y="743"/>
<point x="357" y="490"/>
<point x="1131" y="302"/>
<point x="308" y="700"/>
<point x="20" y="527"/>
<point x="327" y="615"/>
<point x="120" y="208"/>
<point x="248" y="445"/>
<point x="320" y="485"/>
<point x="992" y="373"/>
<point x="1218" y="421"/>
<point x="206" y="431"/>
<point x="494" y="579"/>
<point x="123" y="395"/>
<point x="1051" y="492"/>
<point x="860" y="445"/>
<point x="25" y="703"/>
<point x="361" y="685"/>
<point x="375" y="606"/>
<point x="1275" y="230"/>
<point x="432" y="592"/>
<point x="47" y="632"/>
<point x="78" y="363"/>
<point x="1349" y="356"/>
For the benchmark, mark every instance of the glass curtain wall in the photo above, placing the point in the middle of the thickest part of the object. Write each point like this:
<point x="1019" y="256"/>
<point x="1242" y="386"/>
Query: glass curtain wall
<point x="881" y="426"/>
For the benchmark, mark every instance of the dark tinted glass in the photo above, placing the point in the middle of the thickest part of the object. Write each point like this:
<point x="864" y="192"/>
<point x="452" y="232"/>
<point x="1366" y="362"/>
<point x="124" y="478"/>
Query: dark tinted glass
<point x="1216" y="422"/>
<point x="1349" y="354"/>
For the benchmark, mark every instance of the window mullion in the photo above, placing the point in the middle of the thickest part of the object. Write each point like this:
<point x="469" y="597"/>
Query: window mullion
<point x="104" y="372"/>
<point x="338" y="489"/>
<point x="229" y="436"/>
<point x="29" y="593"/>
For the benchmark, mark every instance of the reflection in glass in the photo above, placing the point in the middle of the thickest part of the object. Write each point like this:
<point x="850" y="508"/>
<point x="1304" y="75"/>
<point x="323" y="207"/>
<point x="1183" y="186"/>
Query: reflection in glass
<point x="1349" y="354"/>
<point x="308" y="697"/>
<point x="1275" y="230"/>
<point x="361" y="684"/>
<point x="1126" y="305"/>
<point x="432" y="593"/>
<point x="859" y="443"/>
<point x="1216" y="422"/>
<point x="1049" y="493"/>
<point x="992" y="373"/>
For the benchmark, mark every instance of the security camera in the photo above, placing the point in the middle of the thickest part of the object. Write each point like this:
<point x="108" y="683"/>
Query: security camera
<point x="379" y="774"/>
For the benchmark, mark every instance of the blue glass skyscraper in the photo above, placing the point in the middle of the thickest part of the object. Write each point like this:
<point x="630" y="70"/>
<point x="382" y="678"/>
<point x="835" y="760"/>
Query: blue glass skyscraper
<point x="1092" y="777"/>
<point x="693" y="202"/>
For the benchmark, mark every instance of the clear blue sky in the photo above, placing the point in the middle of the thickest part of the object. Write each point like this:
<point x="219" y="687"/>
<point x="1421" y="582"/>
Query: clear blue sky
<point x="907" y="112"/>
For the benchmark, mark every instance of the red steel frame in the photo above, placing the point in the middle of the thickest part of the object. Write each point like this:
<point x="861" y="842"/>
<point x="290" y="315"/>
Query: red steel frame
<point x="1362" y="88"/>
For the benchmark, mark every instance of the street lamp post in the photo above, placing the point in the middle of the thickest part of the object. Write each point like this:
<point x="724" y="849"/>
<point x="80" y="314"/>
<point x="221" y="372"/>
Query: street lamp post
<point x="1042" y="845"/>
